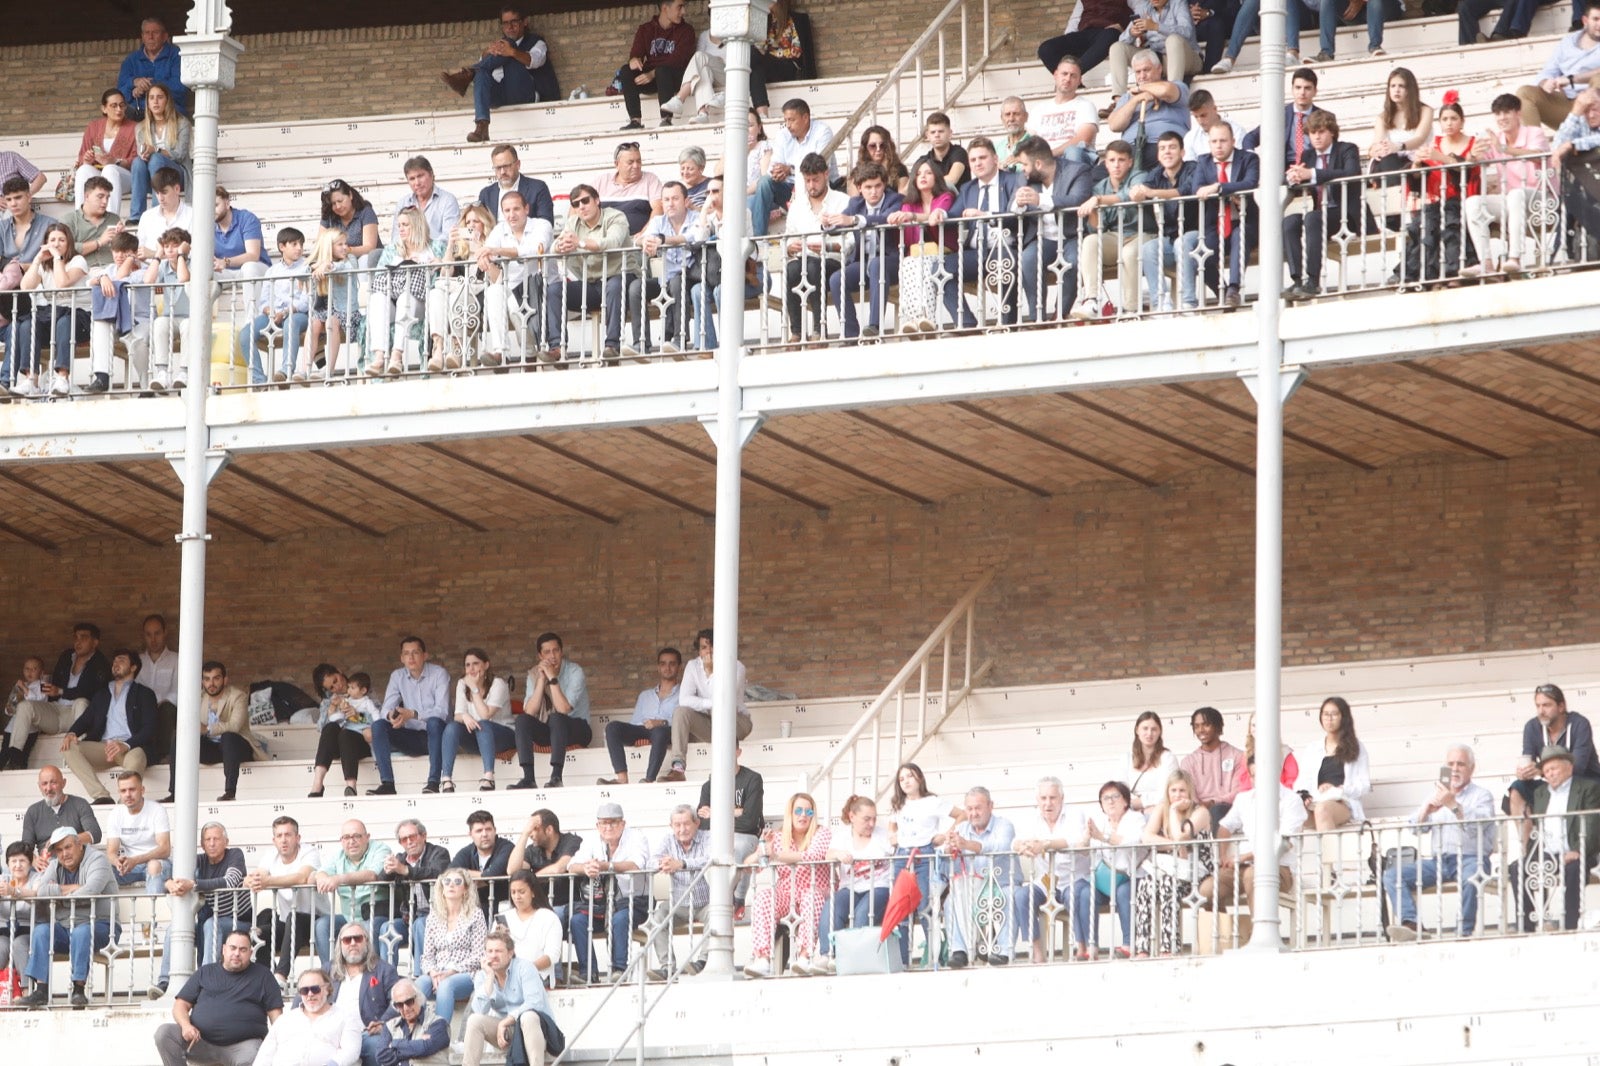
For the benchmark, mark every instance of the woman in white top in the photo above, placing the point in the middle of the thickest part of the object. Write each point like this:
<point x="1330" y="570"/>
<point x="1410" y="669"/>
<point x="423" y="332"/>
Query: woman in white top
<point x="1404" y="125"/>
<point x="1148" y="766"/>
<point x="534" y="927"/>
<point x="314" y="1033"/>
<point x="60" y="316"/>
<point x="1116" y="830"/>
<point x="759" y="160"/>
<point x="483" y="707"/>
<point x="399" y="292"/>
<point x="865" y="856"/>
<point x="1343" y="776"/>
<point x="916" y="817"/>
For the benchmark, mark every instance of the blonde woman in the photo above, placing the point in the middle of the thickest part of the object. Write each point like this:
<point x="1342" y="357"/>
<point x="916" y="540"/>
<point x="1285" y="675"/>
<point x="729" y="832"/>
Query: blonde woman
<point x="452" y="943"/>
<point x="800" y="885"/>
<point x="334" y="305"/>
<point x="455" y="302"/>
<point x="399" y="293"/>
<point x="162" y="138"/>
<point x="1173" y="869"/>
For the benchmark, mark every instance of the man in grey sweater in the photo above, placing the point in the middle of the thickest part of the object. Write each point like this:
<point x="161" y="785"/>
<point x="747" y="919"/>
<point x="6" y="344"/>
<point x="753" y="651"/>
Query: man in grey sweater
<point x="67" y="920"/>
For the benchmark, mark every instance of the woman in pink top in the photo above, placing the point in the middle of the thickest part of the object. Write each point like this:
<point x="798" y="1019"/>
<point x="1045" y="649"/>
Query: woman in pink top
<point x="108" y="147"/>
<point x="1511" y="186"/>
<point x="923" y="248"/>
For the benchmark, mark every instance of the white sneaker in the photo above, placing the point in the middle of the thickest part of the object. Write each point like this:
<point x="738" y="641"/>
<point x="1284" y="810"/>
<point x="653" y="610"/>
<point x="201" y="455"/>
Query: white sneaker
<point x="1402" y="934"/>
<point x="673" y="106"/>
<point x="1086" y="308"/>
<point x="800" y="966"/>
<point x="701" y="118"/>
<point x="822" y="966"/>
<point x="758" y="968"/>
<point x="61" y="386"/>
<point x="25" y="386"/>
<point x="1224" y="66"/>
<point x="179" y="382"/>
<point x="158" y="381"/>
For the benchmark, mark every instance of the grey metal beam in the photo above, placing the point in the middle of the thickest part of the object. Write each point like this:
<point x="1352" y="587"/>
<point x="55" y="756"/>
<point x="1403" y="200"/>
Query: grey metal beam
<point x="276" y="489"/>
<point x="1401" y="420"/>
<point x="1051" y="442"/>
<point x="177" y="497"/>
<point x="1150" y="431"/>
<point x="1245" y="416"/>
<point x="838" y="464"/>
<point x="632" y="483"/>
<point x="1501" y="398"/>
<point x="78" y="508"/>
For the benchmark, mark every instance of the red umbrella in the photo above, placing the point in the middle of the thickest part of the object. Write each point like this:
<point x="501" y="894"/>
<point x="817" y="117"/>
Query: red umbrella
<point x="904" y="899"/>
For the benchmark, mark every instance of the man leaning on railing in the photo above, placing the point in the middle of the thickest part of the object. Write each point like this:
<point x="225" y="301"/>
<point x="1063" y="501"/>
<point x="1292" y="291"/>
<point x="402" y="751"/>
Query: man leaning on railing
<point x="1455" y="818"/>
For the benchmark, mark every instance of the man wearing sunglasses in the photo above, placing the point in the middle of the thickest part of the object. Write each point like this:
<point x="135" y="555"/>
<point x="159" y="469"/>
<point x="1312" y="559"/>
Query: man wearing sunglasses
<point x="313" y="1032"/>
<point x="366" y="983"/>
<point x="223" y="1012"/>
<point x="413" y="1033"/>
<point x="516" y="69"/>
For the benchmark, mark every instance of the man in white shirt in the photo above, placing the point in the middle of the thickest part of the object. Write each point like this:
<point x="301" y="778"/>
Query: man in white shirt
<point x="1234" y="876"/>
<point x="516" y="239"/>
<point x="1203" y="114"/>
<point x="1044" y="835"/>
<point x="441" y="209"/>
<point x="170" y="212"/>
<point x="1068" y="121"/>
<point x="1564" y="846"/>
<point x="1460" y="850"/>
<point x="158" y="664"/>
<point x="799" y="138"/>
<point x="691" y="719"/>
<point x="287" y="923"/>
<point x="616" y="895"/>
<point x="139" y="838"/>
<point x="681" y="855"/>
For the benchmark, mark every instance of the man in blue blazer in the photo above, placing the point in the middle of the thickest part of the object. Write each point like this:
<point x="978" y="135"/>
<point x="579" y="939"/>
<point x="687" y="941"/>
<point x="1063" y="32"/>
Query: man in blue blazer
<point x="1314" y="208"/>
<point x="1224" y="182"/>
<point x="876" y="254"/>
<point x="116" y="729"/>
<point x="987" y="248"/>
<point x="508" y="177"/>
<point x="1047" y="203"/>
<point x="1296" y="113"/>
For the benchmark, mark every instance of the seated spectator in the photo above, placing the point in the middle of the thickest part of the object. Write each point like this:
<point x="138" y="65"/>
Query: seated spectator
<point x="21" y="236"/>
<point x="509" y="1007"/>
<point x="1516" y="19"/>
<point x="1404" y="125"/>
<point x="1046" y="835"/>
<point x="1150" y="109"/>
<point x="1315" y="212"/>
<point x="413" y="870"/>
<point x="630" y="189"/>
<point x="1166" y="29"/>
<point x="695" y="713"/>
<point x="56" y="809"/>
<point x="1114" y="832"/>
<point x="116" y="729"/>
<point x="1069" y="121"/>
<point x="1574" y="66"/>
<point x="948" y="156"/>
<point x="412" y="1033"/>
<point x="812" y="254"/>
<point x="705" y="290"/>
<point x="1214" y="764"/>
<point x="1456" y="818"/>
<point x="1567" y="840"/>
<point x="139" y="838"/>
<point x="982" y="848"/>
<point x="1579" y="131"/>
<point x="683" y="852"/>
<point x="485" y="858"/>
<point x="555" y="711"/>
<point x="1331" y="16"/>
<point x="344" y="725"/>
<point x="546" y="851"/>
<point x="1433" y="249"/>
<point x="692" y="170"/>
<point x="590" y="277"/>
<point x="225" y="735"/>
<point x="1173" y="869"/>
<point x="749" y="820"/>
<point x="1551" y="724"/>
<point x="758" y="160"/>
<point x="1224" y="182"/>
<point x="354" y="874"/>
<point x="399" y="295"/>
<point x="1203" y="114"/>
<point x="1509" y="185"/>
<point x="171" y="270"/>
<point x="1100" y="24"/>
<point x="77" y="925"/>
<point x="872" y="260"/>
<point x="81" y="672"/>
<point x="223" y="904"/>
<point x="535" y="928"/>
<point x="457" y="296"/>
<point x="799" y="886"/>
<point x="1014" y="121"/>
<point x="1290" y="774"/>
<point x="1118" y="232"/>
<point x="924" y="246"/>
<point x="335" y="300"/>
<point x="616" y="895"/>
<point x="483" y="709"/>
<point x="1212" y="27"/>
<point x="515" y="69"/>
<point x="1234" y="878"/>
<point x="440" y="208"/>
<point x="415" y="709"/>
<point x="240" y="251"/>
<point x="16" y="912"/>
<point x="1049" y="241"/>
<point x="157" y="61"/>
<point x="93" y="225"/>
<point x="162" y="143"/>
<point x="346" y="210"/>
<point x="28" y="687"/>
<point x="223" y="1012"/>
<point x="704" y="80"/>
<point x="668" y="235"/>
<point x="800" y="138"/>
<point x="58" y="278"/>
<point x="662" y="48"/>
<point x="313" y="1031"/>
<point x="104" y="283"/>
<point x="508" y="179"/>
<point x="863" y="855"/>
<point x="170" y="212"/>
<point x="365" y="984"/>
<point x="1149" y="763"/>
<point x="107" y="149"/>
<point x="780" y="58"/>
<point x="877" y="146"/>
<point x="452" y="944"/>
<point x="1247" y="24"/>
<point x="283" y="311"/>
<point x="514" y="272"/>
<point x="988" y="248"/>
<point x="14" y="165"/>
<point x="652" y="721"/>
<point x="290" y="872"/>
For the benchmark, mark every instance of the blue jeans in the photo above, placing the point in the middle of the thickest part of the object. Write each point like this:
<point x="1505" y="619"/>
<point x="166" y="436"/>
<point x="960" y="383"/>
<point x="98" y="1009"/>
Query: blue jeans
<point x="1328" y="18"/>
<point x="457" y="988"/>
<point x="1026" y="901"/>
<point x="628" y="916"/>
<point x="1037" y="259"/>
<point x="768" y="195"/>
<point x="395" y="933"/>
<point x="370" y="1046"/>
<point x="566" y="294"/>
<point x="155" y="884"/>
<point x="294" y="325"/>
<point x="143" y="171"/>
<point x="64" y="327"/>
<point x="1246" y="24"/>
<point x="429" y="741"/>
<point x="855" y="910"/>
<point x="928" y="869"/>
<point x="490" y="738"/>
<point x="879" y="273"/>
<point x="515" y="88"/>
<point x="1157" y="257"/>
<point x="1087" y="899"/>
<point x="1401" y="881"/>
<point x="77" y="940"/>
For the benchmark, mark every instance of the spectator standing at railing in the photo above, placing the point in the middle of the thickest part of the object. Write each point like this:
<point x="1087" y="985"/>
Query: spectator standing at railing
<point x="412" y="1032"/>
<point x="556" y="710"/>
<point x="452" y="945"/>
<point x="170" y="212"/>
<point x="749" y="821"/>
<point x="1214" y="764"/>
<point x="630" y="188"/>
<point x="155" y="62"/>
<point x="108" y="148"/>
<point x="139" y="838"/>
<point x="652" y="721"/>
<point x="1068" y="121"/>
<point x="222" y="905"/>
<point x="1565" y="811"/>
<point x="363" y="984"/>
<point x="695" y="714"/>
<point x="55" y="810"/>
<point x="515" y="69"/>
<point x="93" y="225"/>
<point x="162" y="139"/>
<point x="1225" y="182"/>
<point x="1574" y="66"/>
<point x="287" y="924"/>
<point x="1049" y="240"/>
<point x="545" y="850"/>
<point x="661" y="50"/>
<point x="1152" y="107"/>
<point x="515" y="274"/>
<point x="1100" y="24"/>
<point x="1234" y="879"/>
<point x="800" y="138"/>
<point x="982" y="868"/>
<point x="354" y="876"/>
<point x="615" y="895"/>
<point x="1120" y="227"/>
<point x="799" y="886"/>
<point x="1182" y="856"/>
<point x="312" y="1033"/>
<point x="417" y="864"/>
<point x="1433" y="250"/>
<point x="670" y="236"/>
<point x="1551" y="724"/>
<point x="1149" y="763"/>
<point x="1508" y="185"/>
<point x="440" y="208"/>
<point x="485" y="858"/>
<point x="1165" y="28"/>
<point x="345" y="209"/>
<point x="587" y="279"/>
<point x="483" y="713"/>
<point x="508" y="179"/>
<point x="115" y="730"/>
<point x="14" y="165"/>
<point x="416" y="706"/>
<point x="78" y="924"/>
<point x="1203" y="114"/>
<point x="1460" y="848"/>
<point x="1314" y="209"/>
<point x="80" y="673"/>
<point x="223" y="1012"/>
<point x="1047" y="835"/>
<point x="872" y="262"/>
<point x="987" y="257"/>
<point x="681" y="855"/>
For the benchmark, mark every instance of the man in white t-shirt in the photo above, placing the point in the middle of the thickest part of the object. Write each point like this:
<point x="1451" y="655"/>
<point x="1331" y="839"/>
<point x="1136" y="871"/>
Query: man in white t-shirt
<point x="1234" y="877"/>
<point x="1068" y="121"/>
<point x="286" y="924"/>
<point x="1044" y="835"/>
<point x="169" y="212"/>
<point x="139" y="837"/>
<point x="615" y="890"/>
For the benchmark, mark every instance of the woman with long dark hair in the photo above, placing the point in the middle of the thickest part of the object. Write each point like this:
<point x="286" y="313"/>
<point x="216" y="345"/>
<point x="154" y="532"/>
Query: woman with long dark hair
<point x="1343" y="776"/>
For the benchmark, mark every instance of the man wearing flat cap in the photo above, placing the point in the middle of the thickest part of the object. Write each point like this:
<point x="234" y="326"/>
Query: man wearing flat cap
<point x="1565" y="841"/>
<point x="77" y="923"/>
<point x="615" y="895"/>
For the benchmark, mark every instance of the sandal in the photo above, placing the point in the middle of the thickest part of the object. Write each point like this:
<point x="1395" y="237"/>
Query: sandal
<point x="447" y="785"/>
<point x="486" y="783"/>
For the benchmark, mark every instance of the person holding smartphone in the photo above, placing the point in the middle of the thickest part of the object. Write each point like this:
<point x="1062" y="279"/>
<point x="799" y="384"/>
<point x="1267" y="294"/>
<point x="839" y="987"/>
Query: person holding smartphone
<point x="1457" y="817"/>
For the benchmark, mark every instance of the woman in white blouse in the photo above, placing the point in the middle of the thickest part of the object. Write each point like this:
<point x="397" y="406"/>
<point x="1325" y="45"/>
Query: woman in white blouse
<point x="863" y="855"/>
<point x="915" y="820"/>
<point x="483" y="709"/>
<point x="1115" y="831"/>
<point x="1343" y="776"/>
<point x="60" y="316"/>
<point x="1148" y="766"/>
<point x="534" y="927"/>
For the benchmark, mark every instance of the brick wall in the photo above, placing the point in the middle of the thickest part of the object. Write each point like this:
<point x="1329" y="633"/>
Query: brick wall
<point x="1415" y="559"/>
<point x="318" y="73"/>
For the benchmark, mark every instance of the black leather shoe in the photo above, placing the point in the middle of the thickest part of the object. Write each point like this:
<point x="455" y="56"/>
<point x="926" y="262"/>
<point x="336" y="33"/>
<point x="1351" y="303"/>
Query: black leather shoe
<point x="385" y="788"/>
<point x="958" y="960"/>
<point x="526" y="782"/>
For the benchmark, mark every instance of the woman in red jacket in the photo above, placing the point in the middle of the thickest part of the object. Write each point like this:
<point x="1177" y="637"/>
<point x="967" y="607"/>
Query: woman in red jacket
<point x="107" y="149"/>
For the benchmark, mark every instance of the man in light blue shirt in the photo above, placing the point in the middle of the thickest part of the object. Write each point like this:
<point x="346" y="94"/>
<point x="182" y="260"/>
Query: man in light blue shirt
<point x="555" y="712"/>
<point x="416" y="708"/>
<point x="983" y="867"/>
<point x="509" y="1008"/>
<point x="799" y="137"/>
<point x="1460" y="848"/>
<point x="652" y="721"/>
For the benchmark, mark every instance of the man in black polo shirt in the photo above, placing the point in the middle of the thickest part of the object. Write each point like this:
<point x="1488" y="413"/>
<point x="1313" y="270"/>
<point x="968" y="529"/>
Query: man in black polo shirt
<point x="546" y="850"/>
<point x="223" y="1012"/>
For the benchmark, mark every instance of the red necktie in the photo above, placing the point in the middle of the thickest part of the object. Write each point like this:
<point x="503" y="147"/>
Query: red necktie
<point x="1299" y="136"/>
<point x="1225" y="219"/>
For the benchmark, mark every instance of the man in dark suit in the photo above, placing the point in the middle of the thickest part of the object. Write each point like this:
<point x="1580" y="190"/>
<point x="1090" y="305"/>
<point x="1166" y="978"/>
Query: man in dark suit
<point x="1296" y="114"/>
<point x="508" y="178"/>
<point x="1566" y="846"/>
<point x="116" y="729"/>
<point x="875" y="259"/>
<point x="1049" y="234"/>
<point x="988" y="249"/>
<point x="1228" y="218"/>
<point x="1314" y="208"/>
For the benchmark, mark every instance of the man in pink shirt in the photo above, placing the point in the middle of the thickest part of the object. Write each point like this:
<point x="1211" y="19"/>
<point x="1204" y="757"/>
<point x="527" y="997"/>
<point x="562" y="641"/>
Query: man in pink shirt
<point x="1214" y="765"/>
<point x="1517" y="183"/>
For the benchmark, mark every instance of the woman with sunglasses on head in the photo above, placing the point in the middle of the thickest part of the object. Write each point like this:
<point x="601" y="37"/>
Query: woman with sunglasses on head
<point x="800" y="887"/>
<point x="877" y="146"/>
<point x="452" y="942"/>
<point x="344" y="208"/>
<point x="313" y="1031"/>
